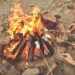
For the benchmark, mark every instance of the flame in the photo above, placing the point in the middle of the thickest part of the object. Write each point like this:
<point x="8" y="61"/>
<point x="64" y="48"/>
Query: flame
<point x="15" y="20"/>
<point x="23" y="23"/>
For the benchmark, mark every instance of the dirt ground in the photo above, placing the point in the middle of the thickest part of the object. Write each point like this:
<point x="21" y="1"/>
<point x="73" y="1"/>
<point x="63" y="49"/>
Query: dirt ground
<point x="64" y="8"/>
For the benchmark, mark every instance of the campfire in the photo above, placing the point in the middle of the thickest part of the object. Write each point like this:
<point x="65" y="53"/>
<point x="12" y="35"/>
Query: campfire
<point x="31" y="35"/>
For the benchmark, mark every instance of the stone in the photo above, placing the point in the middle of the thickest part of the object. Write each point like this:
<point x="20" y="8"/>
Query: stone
<point x="1" y="28"/>
<point x="70" y="6"/>
<point x="30" y="71"/>
<point x="7" y="69"/>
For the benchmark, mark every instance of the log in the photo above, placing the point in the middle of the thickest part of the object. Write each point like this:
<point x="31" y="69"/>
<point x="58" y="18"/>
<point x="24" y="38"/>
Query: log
<point x="16" y="53"/>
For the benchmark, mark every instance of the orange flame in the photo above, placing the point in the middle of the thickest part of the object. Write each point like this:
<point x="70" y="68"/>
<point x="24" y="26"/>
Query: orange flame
<point x="15" y="19"/>
<point x="23" y="23"/>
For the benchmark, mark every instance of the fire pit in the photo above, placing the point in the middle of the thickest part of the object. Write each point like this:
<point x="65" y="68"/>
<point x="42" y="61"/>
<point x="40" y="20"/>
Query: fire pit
<point x="32" y="36"/>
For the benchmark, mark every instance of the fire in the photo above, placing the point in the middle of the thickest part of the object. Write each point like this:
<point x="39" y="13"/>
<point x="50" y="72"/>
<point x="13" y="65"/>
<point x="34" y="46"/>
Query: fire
<point x="15" y="25"/>
<point x="36" y="34"/>
<point x="23" y="23"/>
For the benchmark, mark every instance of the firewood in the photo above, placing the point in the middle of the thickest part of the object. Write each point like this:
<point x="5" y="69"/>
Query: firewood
<point x="31" y="50"/>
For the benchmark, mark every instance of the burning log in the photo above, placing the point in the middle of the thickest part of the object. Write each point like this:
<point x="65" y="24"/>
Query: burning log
<point x="48" y="23"/>
<point x="54" y="27"/>
<point x="29" y="46"/>
<point x="31" y="50"/>
<point x="16" y="50"/>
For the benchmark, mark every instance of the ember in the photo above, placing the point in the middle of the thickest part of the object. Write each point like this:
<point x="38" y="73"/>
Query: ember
<point x="31" y="35"/>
